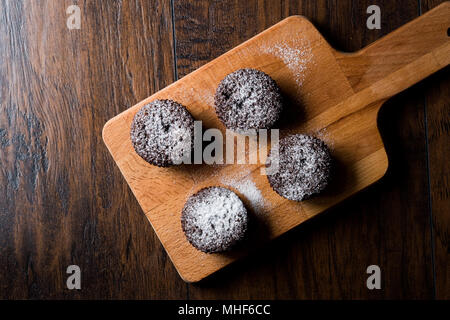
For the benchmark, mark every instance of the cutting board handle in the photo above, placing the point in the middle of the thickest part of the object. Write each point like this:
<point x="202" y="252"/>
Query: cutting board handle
<point x="401" y="58"/>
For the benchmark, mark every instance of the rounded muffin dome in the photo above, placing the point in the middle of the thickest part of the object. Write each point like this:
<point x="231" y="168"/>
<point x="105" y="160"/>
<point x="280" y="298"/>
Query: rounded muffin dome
<point x="248" y="99"/>
<point x="302" y="167"/>
<point x="162" y="133"/>
<point x="214" y="219"/>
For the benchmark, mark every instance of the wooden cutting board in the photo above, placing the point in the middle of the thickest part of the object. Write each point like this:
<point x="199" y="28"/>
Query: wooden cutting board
<point x="333" y="95"/>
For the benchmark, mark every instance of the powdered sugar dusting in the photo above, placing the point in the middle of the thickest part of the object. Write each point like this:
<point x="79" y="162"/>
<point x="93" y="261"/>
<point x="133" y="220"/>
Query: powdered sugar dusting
<point x="194" y="95"/>
<point x="207" y="96"/>
<point x="204" y="95"/>
<point x="219" y="211"/>
<point x="297" y="56"/>
<point x="304" y="167"/>
<point x="162" y="132"/>
<point x="325" y="136"/>
<point x="214" y="219"/>
<point x="181" y="140"/>
<point x="250" y="191"/>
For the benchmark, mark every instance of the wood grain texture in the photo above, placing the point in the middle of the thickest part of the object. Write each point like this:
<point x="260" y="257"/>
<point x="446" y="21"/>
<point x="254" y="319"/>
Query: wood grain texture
<point x="63" y="201"/>
<point x="437" y="106"/>
<point x="335" y="96"/>
<point x="298" y="266"/>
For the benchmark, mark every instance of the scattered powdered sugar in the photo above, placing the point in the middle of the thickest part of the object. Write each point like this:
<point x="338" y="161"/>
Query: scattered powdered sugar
<point x="214" y="219"/>
<point x="197" y="94"/>
<point x="325" y="136"/>
<point x="249" y="190"/>
<point x="207" y="96"/>
<point x="296" y="55"/>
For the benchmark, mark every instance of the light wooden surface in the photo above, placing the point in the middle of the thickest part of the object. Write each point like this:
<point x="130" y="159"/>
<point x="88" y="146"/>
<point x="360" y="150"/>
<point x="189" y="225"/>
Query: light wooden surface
<point x="339" y="98"/>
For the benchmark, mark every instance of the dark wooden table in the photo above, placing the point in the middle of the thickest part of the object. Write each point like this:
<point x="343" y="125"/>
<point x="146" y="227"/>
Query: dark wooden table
<point x="63" y="201"/>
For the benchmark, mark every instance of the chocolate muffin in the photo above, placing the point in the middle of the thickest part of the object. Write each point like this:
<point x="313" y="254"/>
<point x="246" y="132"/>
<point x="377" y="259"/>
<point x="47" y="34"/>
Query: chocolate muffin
<point x="304" y="167"/>
<point x="214" y="219"/>
<point x="248" y="99"/>
<point x="162" y="133"/>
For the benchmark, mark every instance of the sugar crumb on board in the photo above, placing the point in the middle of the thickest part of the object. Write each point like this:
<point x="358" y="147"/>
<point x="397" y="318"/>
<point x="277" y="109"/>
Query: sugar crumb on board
<point x="189" y="95"/>
<point x="325" y="136"/>
<point x="297" y="55"/>
<point x="245" y="185"/>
